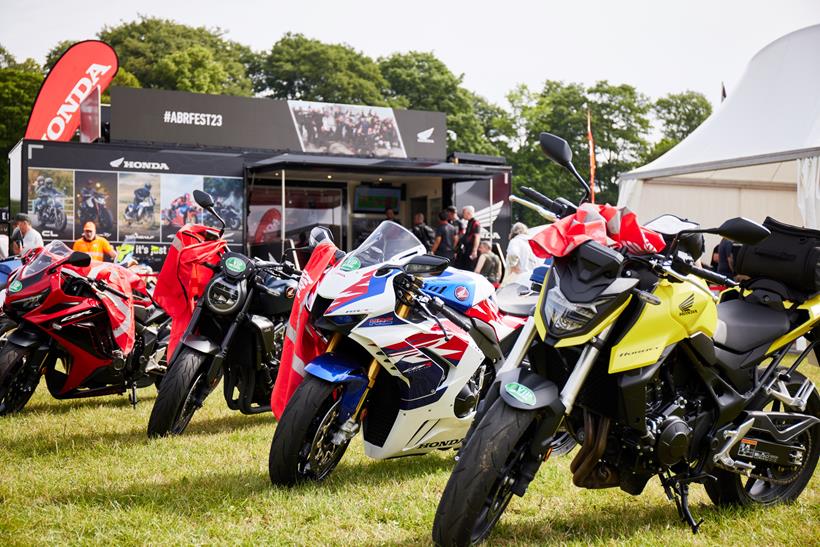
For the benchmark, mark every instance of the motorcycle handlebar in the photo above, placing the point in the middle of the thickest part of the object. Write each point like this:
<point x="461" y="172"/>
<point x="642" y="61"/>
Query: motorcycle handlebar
<point x="710" y="276"/>
<point x="538" y="197"/>
<point x="437" y="305"/>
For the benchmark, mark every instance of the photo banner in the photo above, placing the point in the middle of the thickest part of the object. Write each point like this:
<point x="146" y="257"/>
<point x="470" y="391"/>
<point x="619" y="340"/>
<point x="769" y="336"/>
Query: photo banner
<point x="83" y="68"/>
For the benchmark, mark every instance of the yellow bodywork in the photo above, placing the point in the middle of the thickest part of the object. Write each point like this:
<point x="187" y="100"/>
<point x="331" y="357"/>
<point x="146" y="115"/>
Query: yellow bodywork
<point x="684" y="310"/>
<point x="812" y="307"/>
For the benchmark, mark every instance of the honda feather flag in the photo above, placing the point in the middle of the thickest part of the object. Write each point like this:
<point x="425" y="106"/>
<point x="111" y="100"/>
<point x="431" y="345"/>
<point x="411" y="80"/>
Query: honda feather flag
<point x="84" y="66"/>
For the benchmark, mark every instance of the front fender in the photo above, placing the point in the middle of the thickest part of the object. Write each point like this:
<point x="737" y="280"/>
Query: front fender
<point x="526" y="390"/>
<point x="336" y="369"/>
<point x="27" y="337"/>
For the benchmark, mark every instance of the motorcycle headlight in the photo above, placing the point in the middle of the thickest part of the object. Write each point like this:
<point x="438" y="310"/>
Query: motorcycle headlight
<point x="565" y="317"/>
<point x="29" y="303"/>
<point x="224" y="297"/>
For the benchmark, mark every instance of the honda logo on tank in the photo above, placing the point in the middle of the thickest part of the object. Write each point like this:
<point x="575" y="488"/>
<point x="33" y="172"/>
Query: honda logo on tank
<point x="83" y="67"/>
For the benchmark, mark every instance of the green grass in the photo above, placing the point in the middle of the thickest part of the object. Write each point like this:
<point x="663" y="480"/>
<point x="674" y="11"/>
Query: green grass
<point x="83" y="472"/>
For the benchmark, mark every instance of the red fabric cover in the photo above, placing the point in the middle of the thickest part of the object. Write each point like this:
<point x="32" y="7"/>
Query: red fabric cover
<point x="302" y="343"/>
<point x="120" y="311"/>
<point x="183" y="277"/>
<point x="608" y="225"/>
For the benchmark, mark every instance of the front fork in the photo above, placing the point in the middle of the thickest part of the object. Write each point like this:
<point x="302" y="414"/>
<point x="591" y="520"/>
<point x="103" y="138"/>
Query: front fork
<point x="351" y="426"/>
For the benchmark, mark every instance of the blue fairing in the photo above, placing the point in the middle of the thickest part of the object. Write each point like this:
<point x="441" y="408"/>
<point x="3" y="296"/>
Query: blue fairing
<point x="444" y="286"/>
<point x="338" y="370"/>
<point x="7" y="267"/>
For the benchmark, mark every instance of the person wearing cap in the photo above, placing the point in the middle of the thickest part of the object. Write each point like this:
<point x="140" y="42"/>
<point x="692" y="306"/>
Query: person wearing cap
<point x="96" y="246"/>
<point x="31" y="237"/>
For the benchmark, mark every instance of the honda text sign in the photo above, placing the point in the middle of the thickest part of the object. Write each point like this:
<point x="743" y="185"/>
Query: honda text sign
<point x="84" y="67"/>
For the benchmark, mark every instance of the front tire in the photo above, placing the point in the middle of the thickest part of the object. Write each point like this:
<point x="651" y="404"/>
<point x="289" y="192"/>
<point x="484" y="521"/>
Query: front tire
<point x="17" y="383"/>
<point x="180" y="394"/>
<point x="480" y="487"/>
<point x="738" y="490"/>
<point x="302" y="447"/>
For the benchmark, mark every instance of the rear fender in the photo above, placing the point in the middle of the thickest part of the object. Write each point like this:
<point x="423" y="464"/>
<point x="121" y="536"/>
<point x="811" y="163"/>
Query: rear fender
<point x="526" y="390"/>
<point x="337" y="369"/>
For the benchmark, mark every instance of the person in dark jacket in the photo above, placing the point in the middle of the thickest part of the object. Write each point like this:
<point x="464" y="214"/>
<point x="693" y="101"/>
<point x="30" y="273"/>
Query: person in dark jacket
<point x="422" y="231"/>
<point x="446" y="238"/>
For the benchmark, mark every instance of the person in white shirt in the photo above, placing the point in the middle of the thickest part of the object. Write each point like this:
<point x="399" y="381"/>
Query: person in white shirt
<point x="521" y="261"/>
<point x="31" y="237"/>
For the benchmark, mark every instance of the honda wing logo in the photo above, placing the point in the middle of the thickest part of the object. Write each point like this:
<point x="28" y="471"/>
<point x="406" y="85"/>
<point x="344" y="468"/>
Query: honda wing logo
<point x="144" y="165"/>
<point x="425" y="136"/>
<point x="686" y="307"/>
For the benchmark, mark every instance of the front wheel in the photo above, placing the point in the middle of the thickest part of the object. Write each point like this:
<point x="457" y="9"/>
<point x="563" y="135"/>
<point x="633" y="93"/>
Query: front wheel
<point x="180" y="394"/>
<point x="60" y="220"/>
<point x="302" y="447"/>
<point x="480" y="487"/>
<point x="17" y="380"/>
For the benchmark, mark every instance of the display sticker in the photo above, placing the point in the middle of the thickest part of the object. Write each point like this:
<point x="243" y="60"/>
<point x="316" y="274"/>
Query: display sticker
<point x="351" y="264"/>
<point x="235" y="265"/>
<point x="521" y="393"/>
<point x="15" y="286"/>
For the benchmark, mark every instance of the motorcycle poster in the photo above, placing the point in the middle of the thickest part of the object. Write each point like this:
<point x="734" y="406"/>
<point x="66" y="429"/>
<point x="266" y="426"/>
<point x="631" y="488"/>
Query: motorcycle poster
<point x="95" y="196"/>
<point x="178" y="205"/>
<point x="50" y="203"/>
<point x="138" y="206"/>
<point x="228" y="203"/>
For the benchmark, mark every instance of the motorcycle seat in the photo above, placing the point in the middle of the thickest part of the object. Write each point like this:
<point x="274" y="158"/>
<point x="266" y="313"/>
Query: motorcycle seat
<point x="744" y="325"/>
<point x="516" y="299"/>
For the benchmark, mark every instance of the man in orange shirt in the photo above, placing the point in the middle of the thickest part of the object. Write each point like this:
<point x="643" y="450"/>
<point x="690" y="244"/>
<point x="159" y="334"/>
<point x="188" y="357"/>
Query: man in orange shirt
<point x="97" y="246"/>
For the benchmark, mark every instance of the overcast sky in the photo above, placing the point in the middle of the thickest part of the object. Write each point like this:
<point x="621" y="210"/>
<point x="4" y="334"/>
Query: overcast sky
<point x="657" y="46"/>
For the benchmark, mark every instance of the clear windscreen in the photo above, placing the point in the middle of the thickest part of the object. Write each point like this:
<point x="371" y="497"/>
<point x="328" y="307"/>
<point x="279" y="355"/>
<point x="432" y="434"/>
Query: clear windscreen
<point x="389" y="243"/>
<point x="53" y="252"/>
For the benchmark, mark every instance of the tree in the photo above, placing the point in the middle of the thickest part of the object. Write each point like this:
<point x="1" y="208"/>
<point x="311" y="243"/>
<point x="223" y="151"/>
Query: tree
<point x="420" y="81"/>
<point x="193" y="69"/>
<point x="141" y="46"/>
<point x="304" y="69"/>
<point x="681" y="113"/>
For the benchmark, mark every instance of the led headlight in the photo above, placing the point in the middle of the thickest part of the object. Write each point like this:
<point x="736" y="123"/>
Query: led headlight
<point x="225" y="297"/>
<point x="564" y="317"/>
<point x="29" y="303"/>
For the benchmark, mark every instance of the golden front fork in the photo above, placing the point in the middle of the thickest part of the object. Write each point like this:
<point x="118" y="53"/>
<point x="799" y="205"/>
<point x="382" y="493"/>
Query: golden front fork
<point x="402" y="310"/>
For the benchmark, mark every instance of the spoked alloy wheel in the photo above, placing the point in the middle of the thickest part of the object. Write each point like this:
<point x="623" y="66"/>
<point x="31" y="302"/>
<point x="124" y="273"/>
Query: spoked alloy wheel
<point x="180" y="394"/>
<point x="302" y="447"/>
<point x="17" y="383"/>
<point x="770" y="484"/>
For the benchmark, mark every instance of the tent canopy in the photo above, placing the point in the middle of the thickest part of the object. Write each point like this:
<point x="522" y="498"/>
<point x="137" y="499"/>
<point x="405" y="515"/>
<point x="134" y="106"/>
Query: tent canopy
<point x="771" y="117"/>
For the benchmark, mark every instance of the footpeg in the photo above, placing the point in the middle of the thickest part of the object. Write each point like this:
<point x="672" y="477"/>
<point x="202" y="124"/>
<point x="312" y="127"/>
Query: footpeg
<point x="722" y="457"/>
<point x="781" y="393"/>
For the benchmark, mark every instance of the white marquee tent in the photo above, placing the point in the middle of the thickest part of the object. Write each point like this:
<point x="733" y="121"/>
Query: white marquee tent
<point x="757" y="155"/>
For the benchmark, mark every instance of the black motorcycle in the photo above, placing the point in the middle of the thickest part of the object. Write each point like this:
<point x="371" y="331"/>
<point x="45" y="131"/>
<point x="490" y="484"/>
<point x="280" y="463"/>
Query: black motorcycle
<point x="237" y="331"/>
<point x="49" y="210"/>
<point x="92" y="207"/>
<point x="230" y="214"/>
<point x="140" y="209"/>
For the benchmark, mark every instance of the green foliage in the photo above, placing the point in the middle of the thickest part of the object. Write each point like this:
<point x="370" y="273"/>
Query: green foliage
<point x="301" y="68"/>
<point x="681" y="113"/>
<point x="123" y="78"/>
<point x="420" y="81"/>
<point x="148" y="47"/>
<point x="56" y="52"/>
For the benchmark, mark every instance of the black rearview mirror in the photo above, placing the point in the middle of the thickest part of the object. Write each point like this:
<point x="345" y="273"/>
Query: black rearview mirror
<point x="742" y="230"/>
<point x="556" y="149"/>
<point x="427" y="265"/>
<point x="203" y="199"/>
<point x="79" y="259"/>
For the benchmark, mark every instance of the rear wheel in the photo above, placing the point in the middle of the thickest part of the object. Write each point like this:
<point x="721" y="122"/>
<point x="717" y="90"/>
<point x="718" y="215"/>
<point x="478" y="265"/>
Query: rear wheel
<point x="480" y="487"/>
<point x="60" y="220"/>
<point x="180" y="394"/>
<point x="302" y="447"/>
<point x="17" y="380"/>
<point x="769" y="484"/>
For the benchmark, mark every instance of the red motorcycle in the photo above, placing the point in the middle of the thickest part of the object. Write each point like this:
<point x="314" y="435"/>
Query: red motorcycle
<point x="90" y="327"/>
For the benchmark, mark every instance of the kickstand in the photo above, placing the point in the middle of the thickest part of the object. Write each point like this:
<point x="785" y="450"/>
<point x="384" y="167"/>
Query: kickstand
<point x="677" y="490"/>
<point x="132" y="395"/>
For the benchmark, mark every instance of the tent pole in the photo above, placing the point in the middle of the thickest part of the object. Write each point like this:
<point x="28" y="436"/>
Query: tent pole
<point x="283" y="213"/>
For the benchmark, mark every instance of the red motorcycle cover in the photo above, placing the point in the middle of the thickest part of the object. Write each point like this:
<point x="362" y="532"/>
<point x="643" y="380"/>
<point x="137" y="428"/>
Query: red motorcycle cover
<point x="120" y="311"/>
<point x="302" y="343"/>
<point x="608" y="225"/>
<point x="183" y="276"/>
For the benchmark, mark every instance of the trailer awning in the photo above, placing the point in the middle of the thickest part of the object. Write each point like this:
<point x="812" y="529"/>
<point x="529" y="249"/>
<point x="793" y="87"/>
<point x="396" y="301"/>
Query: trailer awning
<point x="375" y="166"/>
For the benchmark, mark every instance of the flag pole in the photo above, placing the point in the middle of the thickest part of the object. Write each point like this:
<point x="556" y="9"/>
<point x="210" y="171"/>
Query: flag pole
<point x="591" y="157"/>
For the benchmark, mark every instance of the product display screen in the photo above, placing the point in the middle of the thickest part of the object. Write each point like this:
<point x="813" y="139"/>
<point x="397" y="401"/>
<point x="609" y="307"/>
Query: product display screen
<point x="370" y="199"/>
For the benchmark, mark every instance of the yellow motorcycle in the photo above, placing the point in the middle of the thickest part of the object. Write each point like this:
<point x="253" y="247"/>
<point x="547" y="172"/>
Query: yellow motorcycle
<point x="653" y="375"/>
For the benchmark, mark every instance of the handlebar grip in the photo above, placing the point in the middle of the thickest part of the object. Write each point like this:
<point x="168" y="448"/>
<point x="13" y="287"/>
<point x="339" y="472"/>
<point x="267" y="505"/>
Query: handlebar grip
<point x="710" y="276"/>
<point x="538" y="197"/>
<point x="114" y="291"/>
<point x="438" y="305"/>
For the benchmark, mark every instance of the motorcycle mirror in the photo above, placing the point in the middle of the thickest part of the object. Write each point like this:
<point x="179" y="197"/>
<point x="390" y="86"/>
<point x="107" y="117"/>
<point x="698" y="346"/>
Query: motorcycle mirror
<point x="203" y="199"/>
<point x="742" y="230"/>
<point x="319" y="234"/>
<point x="426" y="265"/>
<point x="558" y="150"/>
<point x="79" y="259"/>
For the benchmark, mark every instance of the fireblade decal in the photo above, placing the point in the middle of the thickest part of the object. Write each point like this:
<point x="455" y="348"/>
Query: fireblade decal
<point x="365" y="287"/>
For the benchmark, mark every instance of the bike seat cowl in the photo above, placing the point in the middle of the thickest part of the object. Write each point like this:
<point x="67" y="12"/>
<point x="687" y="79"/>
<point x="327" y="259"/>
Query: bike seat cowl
<point x="743" y="325"/>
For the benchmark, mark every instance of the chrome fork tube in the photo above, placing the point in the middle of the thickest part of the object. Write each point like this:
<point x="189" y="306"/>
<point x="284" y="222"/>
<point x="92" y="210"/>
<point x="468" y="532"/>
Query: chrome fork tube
<point x="519" y="349"/>
<point x="581" y="371"/>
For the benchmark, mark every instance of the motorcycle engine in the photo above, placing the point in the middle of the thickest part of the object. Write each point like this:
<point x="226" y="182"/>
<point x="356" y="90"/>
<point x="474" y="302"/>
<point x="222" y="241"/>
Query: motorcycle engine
<point x="671" y="432"/>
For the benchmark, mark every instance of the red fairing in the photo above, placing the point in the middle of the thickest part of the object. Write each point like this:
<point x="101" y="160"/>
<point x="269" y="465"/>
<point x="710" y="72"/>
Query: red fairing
<point x="55" y="115"/>
<point x="120" y="311"/>
<point x="608" y="225"/>
<point x="302" y="343"/>
<point x="183" y="276"/>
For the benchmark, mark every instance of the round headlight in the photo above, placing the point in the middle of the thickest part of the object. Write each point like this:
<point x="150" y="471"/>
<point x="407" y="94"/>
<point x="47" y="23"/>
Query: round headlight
<point x="225" y="296"/>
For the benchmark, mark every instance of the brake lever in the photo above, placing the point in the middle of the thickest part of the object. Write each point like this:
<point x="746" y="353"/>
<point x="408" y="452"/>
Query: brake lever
<point x="435" y="318"/>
